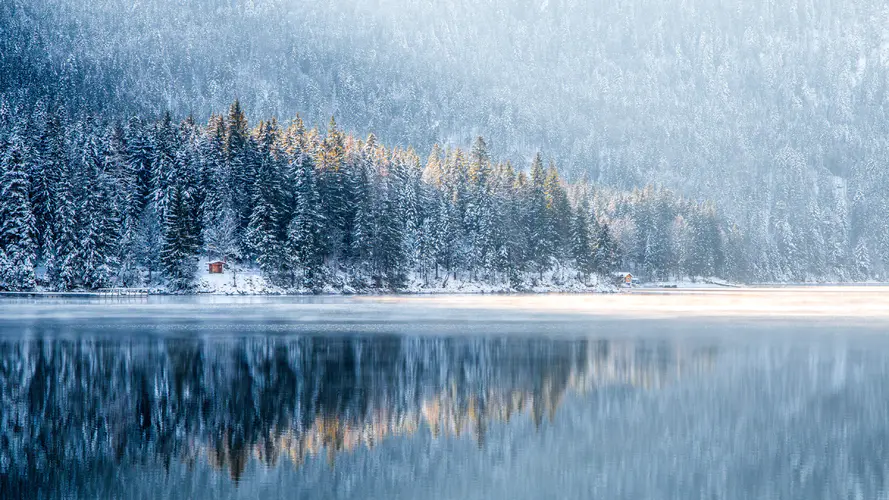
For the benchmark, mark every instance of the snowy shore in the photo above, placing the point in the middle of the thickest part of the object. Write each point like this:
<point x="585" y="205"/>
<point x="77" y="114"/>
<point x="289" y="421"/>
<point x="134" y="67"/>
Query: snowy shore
<point x="251" y="282"/>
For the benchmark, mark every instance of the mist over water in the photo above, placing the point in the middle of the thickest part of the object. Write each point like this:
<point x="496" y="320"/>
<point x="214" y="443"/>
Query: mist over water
<point x="156" y="399"/>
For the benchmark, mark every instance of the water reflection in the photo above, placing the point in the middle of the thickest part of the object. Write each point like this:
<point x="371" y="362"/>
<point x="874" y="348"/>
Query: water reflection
<point x="76" y="412"/>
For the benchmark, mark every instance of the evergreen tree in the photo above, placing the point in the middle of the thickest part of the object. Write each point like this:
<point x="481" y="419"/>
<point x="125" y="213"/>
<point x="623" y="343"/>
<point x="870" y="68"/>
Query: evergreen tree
<point x="61" y="265"/>
<point x="607" y="253"/>
<point x="389" y="248"/>
<point x="305" y="244"/>
<point x="434" y="174"/>
<point x="862" y="260"/>
<point x="540" y="230"/>
<point x="149" y="242"/>
<point x="139" y="161"/>
<point x="332" y="179"/>
<point x="44" y="176"/>
<point x="178" y="252"/>
<point x="163" y="167"/>
<point x="240" y="167"/>
<point x="18" y="248"/>
<point x="445" y="237"/>
<point x="264" y="233"/>
<point x="581" y="242"/>
<point x="361" y="187"/>
<point x="558" y="213"/>
<point x="96" y="249"/>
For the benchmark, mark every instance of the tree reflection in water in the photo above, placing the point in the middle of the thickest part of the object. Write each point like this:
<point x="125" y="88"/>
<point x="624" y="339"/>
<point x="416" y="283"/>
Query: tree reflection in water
<point x="75" y="411"/>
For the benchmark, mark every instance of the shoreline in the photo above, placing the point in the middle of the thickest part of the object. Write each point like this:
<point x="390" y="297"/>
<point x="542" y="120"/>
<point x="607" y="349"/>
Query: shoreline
<point x="246" y="293"/>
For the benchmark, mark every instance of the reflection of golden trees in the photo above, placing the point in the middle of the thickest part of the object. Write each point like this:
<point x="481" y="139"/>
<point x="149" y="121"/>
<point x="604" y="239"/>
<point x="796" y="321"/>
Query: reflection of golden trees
<point x="229" y="456"/>
<point x="454" y="413"/>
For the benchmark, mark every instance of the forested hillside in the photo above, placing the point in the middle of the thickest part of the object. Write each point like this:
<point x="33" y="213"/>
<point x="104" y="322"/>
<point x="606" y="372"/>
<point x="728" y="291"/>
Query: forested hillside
<point x="774" y="110"/>
<point x="87" y="205"/>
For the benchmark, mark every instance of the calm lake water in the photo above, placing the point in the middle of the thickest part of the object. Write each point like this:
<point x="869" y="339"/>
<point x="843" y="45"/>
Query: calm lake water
<point x="777" y="394"/>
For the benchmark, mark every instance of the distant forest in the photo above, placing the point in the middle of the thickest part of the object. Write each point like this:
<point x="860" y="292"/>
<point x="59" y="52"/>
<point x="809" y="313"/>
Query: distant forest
<point x="88" y="205"/>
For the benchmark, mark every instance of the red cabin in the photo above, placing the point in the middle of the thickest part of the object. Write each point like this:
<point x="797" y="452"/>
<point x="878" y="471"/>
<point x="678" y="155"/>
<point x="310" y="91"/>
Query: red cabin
<point x="216" y="267"/>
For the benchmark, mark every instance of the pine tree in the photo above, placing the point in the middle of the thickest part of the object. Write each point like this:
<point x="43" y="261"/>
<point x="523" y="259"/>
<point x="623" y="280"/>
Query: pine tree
<point x="862" y="261"/>
<point x="389" y="247"/>
<point x="96" y="249"/>
<point x="178" y="254"/>
<point x="558" y="214"/>
<point x="411" y="207"/>
<point x="581" y="242"/>
<point x="163" y="167"/>
<point x="61" y="265"/>
<point x="607" y="254"/>
<point x="139" y="159"/>
<point x="264" y="234"/>
<point x="18" y="247"/>
<point x="478" y="218"/>
<point x="445" y="237"/>
<point x="212" y="173"/>
<point x="363" y="199"/>
<point x="188" y="175"/>
<point x="240" y="168"/>
<point x="540" y="230"/>
<point x="305" y="244"/>
<point x="44" y="175"/>
<point x="330" y="161"/>
<point x="295" y="146"/>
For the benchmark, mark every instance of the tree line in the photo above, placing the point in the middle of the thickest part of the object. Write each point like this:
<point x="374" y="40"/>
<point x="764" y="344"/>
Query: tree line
<point x="87" y="204"/>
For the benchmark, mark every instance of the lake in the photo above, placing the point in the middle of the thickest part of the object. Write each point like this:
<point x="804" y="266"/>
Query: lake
<point x="717" y="394"/>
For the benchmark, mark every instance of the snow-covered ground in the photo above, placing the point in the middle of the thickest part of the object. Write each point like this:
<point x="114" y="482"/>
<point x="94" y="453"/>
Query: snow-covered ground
<point x="688" y="283"/>
<point x="249" y="281"/>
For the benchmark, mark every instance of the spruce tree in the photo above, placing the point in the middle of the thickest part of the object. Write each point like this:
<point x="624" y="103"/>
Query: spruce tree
<point x="178" y="253"/>
<point x="363" y="199"/>
<point x="263" y="231"/>
<point x="61" y="265"/>
<point x="558" y="213"/>
<point x="330" y="160"/>
<point x="96" y="249"/>
<point x="163" y="167"/>
<point x="45" y="172"/>
<point x="390" y="252"/>
<point x="607" y="252"/>
<point x="18" y="248"/>
<point x="540" y="230"/>
<point x="581" y="242"/>
<point x="240" y="167"/>
<point x="305" y="244"/>
<point x="139" y="159"/>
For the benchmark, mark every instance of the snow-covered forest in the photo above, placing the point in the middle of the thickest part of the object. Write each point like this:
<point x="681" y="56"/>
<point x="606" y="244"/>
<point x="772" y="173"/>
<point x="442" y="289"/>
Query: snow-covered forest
<point x="774" y="111"/>
<point x="91" y="205"/>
